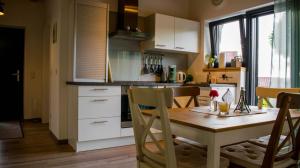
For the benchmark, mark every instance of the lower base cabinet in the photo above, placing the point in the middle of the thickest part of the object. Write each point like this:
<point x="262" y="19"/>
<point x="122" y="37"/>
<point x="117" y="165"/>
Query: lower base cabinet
<point x="101" y="128"/>
<point x="95" y="118"/>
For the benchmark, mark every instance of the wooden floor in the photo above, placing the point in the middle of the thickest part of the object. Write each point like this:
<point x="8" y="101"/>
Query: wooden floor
<point x="39" y="150"/>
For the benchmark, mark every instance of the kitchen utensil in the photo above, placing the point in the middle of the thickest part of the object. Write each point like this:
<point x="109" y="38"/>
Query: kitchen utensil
<point x="180" y="77"/>
<point x="151" y="64"/>
<point x="158" y="67"/>
<point x="145" y="69"/>
<point x="172" y="74"/>
<point x="161" y="65"/>
<point x="155" y="64"/>
<point x="164" y="75"/>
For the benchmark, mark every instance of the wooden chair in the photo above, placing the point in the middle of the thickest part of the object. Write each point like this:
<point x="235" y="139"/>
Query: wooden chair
<point x="264" y="94"/>
<point x="192" y="92"/>
<point x="161" y="154"/>
<point x="276" y="154"/>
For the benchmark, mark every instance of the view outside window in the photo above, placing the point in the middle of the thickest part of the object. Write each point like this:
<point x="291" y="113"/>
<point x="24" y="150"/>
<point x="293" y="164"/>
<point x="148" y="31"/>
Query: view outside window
<point x="265" y="36"/>
<point x="230" y="38"/>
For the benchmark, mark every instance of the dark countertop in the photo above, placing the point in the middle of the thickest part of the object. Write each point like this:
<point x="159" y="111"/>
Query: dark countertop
<point x="144" y="83"/>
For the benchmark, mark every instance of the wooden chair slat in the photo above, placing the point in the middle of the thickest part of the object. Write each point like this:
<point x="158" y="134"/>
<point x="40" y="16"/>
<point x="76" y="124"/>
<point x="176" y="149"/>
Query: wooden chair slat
<point x="192" y="92"/>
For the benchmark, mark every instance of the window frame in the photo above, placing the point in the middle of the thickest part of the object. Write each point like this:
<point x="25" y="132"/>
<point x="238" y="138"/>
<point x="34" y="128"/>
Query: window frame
<point x="250" y="59"/>
<point x="247" y="38"/>
<point x="239" y="18"/>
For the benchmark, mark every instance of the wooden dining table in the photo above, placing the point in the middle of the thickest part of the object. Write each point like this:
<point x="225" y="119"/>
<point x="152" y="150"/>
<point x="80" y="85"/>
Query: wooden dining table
<point x="215" y="131"/>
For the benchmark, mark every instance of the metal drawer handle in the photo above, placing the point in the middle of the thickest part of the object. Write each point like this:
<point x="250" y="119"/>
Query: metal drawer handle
<point x="179" y="48"/>
<point x="160" y="45"/>
<point x="100" y="89"/>
<point x="99" y="100"/>
<point x="99" y="122"/>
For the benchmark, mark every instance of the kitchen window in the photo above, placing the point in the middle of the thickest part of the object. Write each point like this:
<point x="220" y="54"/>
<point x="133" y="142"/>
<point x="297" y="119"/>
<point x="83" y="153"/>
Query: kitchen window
<point x="227" y="35"/>
<point x="248" y="35"/>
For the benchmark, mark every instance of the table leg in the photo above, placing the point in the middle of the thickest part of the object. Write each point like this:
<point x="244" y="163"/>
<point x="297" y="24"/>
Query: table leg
<point x="213" y="154"/>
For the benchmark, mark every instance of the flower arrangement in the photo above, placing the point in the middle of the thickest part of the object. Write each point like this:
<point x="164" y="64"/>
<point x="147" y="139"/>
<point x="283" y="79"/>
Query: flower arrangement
<point x="213" y="93"/>
<point x="213" y="103"/>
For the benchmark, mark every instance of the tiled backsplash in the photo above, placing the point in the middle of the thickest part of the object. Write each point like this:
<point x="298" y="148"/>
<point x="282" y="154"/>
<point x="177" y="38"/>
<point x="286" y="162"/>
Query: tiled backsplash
<point x="126" y="60"/>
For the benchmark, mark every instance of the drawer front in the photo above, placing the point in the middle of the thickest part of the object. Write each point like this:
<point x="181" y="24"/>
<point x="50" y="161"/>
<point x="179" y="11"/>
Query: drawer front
<point x="96" y="107"/>
<point x="99" y="90"/>
<point x="101" y="128"/>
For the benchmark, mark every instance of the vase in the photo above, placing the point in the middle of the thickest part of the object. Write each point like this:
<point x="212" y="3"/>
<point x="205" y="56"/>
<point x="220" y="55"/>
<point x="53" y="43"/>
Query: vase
<point x="213" y="104"/>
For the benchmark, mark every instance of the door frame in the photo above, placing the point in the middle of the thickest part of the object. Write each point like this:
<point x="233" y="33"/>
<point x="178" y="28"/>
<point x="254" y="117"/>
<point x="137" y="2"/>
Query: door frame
<point x="21" y="98"/>
<point x="252" y="50"/>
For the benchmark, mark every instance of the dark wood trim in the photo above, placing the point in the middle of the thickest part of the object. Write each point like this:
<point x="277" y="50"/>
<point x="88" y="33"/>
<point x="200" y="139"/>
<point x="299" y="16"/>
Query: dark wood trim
<point x="34" y="120"/>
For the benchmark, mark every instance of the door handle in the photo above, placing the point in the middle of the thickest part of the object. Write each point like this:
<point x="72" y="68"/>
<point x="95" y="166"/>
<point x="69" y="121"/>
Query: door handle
<point x="100" y="89"/>
<point x="161" y="45"/>
<point x="99" y="122"/>
<point x="99" y="100"/>
<point x="17" y="74"/>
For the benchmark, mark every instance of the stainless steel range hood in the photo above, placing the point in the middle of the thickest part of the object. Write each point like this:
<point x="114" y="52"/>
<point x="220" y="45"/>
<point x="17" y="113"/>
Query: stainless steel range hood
<point x="127" y="22"/>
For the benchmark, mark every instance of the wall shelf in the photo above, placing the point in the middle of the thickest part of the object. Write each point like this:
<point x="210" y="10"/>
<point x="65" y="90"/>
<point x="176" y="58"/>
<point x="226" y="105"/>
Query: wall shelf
<point x="224" y="69"/>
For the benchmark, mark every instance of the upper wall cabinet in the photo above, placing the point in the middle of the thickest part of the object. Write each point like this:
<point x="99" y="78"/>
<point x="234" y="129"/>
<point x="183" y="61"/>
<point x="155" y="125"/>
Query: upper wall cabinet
<point x="172" y="34"/>
<point x="164" y="32"/>
<point x="91" y="33"/>
<point x="186" y="35"/>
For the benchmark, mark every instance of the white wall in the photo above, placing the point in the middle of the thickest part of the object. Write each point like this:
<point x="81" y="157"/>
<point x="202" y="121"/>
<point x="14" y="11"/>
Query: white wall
<point x="59" y="63"/>
<point x="203" y="10"/>
<point x="29" y="15"/>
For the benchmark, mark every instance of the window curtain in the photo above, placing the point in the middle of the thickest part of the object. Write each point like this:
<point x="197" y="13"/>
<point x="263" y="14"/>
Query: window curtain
<point x="215" y="38"/>
<point x="285" y="54"/>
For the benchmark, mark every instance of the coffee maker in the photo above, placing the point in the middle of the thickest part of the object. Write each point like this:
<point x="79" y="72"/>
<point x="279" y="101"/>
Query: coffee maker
<point x="172" y="74"/>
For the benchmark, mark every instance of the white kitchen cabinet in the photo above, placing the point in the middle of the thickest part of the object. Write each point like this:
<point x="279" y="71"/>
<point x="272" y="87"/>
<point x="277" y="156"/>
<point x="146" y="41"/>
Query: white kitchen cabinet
<point x="99" y="128"/>
<point x="95" y="118"/>
<point x="101" y="106"/>
<point x="186" y="35"/>
<point x="169" y="33"/>
<point x="164" y="32"/>
<point x="90" y="41"/>
<point x="99" y="112"/>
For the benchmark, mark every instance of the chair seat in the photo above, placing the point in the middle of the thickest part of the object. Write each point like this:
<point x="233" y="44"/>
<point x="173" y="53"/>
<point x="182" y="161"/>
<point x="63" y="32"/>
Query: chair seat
<point x="190" y="156"/>
<point x="250" y="156"/>
<point x="264" y="140"/>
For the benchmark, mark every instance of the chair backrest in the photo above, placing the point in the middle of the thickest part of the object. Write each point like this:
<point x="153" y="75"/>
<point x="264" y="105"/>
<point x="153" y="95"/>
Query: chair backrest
<point x="192" y="92"/>
<point x="264" y="93"/>
<point x="285" y="101"/>
<point x="165" y="155"/>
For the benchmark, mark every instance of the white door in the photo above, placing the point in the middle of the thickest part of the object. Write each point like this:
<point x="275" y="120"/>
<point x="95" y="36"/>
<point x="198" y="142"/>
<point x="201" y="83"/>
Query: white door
<point x="186" y="35"/>
<point x="164" y="31"/>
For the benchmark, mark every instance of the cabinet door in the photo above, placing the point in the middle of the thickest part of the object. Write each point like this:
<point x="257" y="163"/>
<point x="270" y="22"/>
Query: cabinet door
<point x="164" y="31"/>
<point x="186" y="35"/>
<point x="90" y="41"/>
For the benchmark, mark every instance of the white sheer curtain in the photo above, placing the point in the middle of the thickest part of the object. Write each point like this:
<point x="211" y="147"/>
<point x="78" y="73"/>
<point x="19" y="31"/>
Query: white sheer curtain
<point x="281" y="55"/>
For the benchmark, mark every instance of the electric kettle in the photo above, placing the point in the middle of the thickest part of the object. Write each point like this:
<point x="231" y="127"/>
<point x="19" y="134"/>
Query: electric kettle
<point x="180" y="77"/>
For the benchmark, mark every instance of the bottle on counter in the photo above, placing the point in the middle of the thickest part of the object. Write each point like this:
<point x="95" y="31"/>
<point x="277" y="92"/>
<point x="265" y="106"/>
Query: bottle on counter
<point x="208" y="79"/>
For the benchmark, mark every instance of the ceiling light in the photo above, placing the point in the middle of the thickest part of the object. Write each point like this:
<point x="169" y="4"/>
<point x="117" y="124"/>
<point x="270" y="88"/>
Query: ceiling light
<point x="1" y="8"/>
